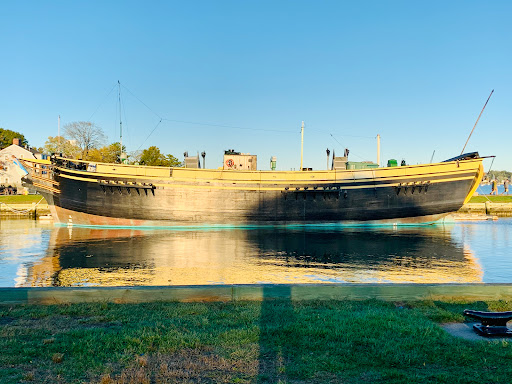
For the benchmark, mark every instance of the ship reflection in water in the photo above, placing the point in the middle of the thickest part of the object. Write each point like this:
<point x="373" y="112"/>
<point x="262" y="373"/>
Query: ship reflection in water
<point x="124" y="257"/>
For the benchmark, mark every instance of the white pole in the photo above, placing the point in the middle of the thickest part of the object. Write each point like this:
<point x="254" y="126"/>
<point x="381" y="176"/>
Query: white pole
<point x="120" y="122"/>
<point x="378" y="150"/>
<point x="58" y="134"/>
<point x="301" y="144"/>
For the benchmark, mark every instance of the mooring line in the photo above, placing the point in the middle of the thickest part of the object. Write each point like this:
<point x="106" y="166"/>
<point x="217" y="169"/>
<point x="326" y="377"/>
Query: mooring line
<point x="20" y="211"/>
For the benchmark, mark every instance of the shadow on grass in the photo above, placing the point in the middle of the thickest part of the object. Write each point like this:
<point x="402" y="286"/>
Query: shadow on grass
<point x="276" y="324"/>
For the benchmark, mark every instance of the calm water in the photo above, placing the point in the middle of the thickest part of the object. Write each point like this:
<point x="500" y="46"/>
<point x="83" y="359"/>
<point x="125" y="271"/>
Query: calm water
<point x="34" y="253"/>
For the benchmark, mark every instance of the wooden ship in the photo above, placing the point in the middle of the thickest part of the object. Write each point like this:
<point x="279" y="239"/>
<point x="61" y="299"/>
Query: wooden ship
<point x="101" y="194"/>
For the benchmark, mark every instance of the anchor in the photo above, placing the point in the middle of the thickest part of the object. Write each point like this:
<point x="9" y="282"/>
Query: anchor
<point x="493" y="323"/>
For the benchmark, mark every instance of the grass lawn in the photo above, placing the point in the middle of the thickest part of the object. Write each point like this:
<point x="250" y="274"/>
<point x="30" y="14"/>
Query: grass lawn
<point x="21" y="199"/>
<point x="247" y="342"/>
<point x="493" y="199"/>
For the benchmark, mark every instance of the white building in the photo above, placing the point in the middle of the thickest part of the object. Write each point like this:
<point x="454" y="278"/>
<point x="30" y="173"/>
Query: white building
<point x="8" y="173"/>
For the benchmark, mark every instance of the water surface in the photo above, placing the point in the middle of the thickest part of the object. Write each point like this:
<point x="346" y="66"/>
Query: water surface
<point x="34" y="253"/>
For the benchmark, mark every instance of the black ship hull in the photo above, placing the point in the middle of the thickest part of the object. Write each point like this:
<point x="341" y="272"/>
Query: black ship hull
<point x="409" y="194"/>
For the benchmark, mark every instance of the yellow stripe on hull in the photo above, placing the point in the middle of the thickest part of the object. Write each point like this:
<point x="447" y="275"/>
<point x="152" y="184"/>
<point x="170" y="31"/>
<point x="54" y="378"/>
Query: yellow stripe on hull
<point x="287" y="177"/>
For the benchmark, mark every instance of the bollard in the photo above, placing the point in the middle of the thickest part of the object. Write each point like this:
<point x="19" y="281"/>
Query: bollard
<point x="493" y="323"/>
<point x="487" y="207"/>
<point x="34" y="210"/>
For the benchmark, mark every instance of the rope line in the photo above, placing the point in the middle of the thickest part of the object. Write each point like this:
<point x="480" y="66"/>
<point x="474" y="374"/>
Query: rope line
<point x="99" y="106"/>
<point x="228" y="126"/>
<point x="164" y="119"/>
<point x="150" y="133"/>
<point x="492" y="162"/>
<point x="143" y="103"/>
<point x="21" y="211"/>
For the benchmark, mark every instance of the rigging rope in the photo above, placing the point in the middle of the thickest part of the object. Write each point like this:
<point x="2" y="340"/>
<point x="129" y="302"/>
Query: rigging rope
<point x="492" y="162"/>
<point x="163" y="119"/>
<point x="150" y="133"/>
<point x="102" y="102"/>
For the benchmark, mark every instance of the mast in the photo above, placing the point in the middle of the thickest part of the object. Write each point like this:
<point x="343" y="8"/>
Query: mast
<point x="432" y="158"/>
<point x="120" y="123"/>
<point x="301" y="144"/>
<point x="378" y="150"/>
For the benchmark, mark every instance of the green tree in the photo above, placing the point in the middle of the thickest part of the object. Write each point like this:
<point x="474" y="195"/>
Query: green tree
<point x="112" y="153"/>
<point x="6" y="136"/>
<point x="59" y="144"/>
<point x="173" y="161"/>
<point x="153" y="156"/>
<point x="107" y="154"/>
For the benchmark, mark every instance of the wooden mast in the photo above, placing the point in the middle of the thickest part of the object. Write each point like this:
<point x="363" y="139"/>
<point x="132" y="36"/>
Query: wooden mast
<point x="301" y="144"/>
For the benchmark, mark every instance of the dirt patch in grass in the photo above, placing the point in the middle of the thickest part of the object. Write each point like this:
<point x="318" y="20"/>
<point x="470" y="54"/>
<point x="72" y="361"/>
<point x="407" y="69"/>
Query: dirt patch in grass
<point x="6" y="320"/>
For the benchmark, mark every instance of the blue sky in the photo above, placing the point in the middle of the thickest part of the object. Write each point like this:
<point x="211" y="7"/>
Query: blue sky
<point x="417" y="73"/>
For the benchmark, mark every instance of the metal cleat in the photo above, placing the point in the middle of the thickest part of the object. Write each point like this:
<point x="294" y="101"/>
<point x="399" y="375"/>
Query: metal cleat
<point x="493" y="323"/>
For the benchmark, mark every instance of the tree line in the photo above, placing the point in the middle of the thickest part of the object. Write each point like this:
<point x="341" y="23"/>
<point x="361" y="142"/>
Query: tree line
<point x="6" y="137"/>
<point x="84" y="140"/>
<point x="498" y="175"/>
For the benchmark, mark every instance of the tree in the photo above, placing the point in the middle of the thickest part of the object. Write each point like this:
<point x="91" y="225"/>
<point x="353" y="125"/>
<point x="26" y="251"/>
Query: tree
<point x="108" y="154"/>
<point x="94" y="154"/>
<point x="135" y="156"/>
<point x="498" y="175"/>
<point x="86" y="134"/>
<point x="173" y="161"/>
<point x="60" y="144"/>
<point x="112" y="153"/>
<point x="6" y="136"/>
<point x="153" y="156"/>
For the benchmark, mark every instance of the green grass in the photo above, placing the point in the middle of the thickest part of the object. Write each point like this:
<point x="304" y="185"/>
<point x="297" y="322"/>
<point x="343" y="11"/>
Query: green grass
<point x="247" y="342"/>
<point x="21" y="199"/>
<point x="493" y="199"/>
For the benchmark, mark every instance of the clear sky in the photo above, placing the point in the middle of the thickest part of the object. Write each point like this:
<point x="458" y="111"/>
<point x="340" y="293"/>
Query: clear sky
<point x="417" y="73"/>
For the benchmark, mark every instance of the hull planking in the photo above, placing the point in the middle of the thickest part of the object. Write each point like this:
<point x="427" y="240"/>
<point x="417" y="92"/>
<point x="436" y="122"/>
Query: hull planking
<point x="123" y="195"/>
